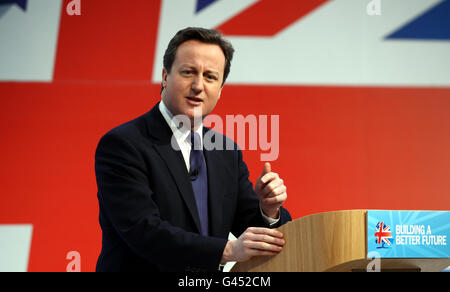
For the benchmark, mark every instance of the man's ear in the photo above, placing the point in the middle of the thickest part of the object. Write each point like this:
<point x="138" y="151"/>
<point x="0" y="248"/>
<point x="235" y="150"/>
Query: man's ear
<point x="164" y="77"/>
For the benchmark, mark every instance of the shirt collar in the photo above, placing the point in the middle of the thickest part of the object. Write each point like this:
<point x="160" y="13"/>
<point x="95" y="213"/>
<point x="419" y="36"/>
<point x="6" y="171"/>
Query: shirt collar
<point x="182" y="135"/>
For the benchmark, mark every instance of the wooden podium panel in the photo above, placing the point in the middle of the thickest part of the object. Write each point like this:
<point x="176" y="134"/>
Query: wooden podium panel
<point x="330" y="241"/>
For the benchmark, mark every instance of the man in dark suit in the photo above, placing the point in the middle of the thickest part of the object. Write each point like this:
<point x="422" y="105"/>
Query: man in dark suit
<point x="167" y="203"/>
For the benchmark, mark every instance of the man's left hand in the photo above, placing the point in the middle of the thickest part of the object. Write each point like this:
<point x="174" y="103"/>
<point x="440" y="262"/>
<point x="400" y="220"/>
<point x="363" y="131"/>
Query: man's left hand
<point x="271" y="191"/>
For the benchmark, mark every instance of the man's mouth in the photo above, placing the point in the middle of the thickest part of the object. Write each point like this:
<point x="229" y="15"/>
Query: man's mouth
<point x="194" y="101"/>
<point x="193" y="98"/>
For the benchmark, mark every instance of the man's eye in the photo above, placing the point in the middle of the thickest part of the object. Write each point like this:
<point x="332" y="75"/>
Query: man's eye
<point x="211" y="77"/>
<point x="186" y="72"/>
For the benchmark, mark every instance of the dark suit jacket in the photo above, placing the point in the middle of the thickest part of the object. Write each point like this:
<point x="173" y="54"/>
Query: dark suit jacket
<point x="148" y="213"/>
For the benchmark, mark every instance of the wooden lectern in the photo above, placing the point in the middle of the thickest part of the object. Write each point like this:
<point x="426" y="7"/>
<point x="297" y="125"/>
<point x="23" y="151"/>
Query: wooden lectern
<point x="331" y="241"/>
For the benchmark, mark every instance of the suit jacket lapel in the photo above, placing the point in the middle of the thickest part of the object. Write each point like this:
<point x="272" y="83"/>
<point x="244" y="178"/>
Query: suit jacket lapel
<point x="175" y="163"/>
<point x="161" y="132"/>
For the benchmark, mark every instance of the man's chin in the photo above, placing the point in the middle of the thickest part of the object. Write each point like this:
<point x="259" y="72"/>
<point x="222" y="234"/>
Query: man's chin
<point x="194" y="112"/>
<point x="194" y="118"/>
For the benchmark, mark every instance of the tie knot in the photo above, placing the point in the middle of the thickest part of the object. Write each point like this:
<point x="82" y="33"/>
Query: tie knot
<point x="195" y="141"/>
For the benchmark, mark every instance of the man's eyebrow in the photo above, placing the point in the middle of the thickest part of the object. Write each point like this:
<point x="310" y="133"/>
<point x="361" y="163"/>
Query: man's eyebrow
<point x="212" y="71"/>
<point x="190" y="66"/>
<point x="187" y="66"/>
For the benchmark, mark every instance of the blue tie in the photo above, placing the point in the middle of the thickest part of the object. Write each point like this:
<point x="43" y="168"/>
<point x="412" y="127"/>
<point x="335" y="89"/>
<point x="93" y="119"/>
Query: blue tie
<point x="199" y="180"/>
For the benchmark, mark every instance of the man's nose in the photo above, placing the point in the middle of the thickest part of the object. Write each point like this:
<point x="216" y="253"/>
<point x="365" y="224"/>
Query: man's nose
<point x="197" y="84"/>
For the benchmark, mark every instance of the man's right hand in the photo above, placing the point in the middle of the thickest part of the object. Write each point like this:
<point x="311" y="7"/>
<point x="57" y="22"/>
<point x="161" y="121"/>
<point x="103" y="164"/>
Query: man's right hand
<point x="255" y="241"/>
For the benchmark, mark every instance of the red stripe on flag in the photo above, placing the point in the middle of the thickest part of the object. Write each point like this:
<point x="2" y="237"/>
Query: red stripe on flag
<point x="111" y="40"/>
<point x="340" y="148"/>
<point x="268" y="17"/>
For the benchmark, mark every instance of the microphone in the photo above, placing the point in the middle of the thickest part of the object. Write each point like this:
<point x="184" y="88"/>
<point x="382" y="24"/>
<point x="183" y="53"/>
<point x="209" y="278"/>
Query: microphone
<point x="194" y="173"/>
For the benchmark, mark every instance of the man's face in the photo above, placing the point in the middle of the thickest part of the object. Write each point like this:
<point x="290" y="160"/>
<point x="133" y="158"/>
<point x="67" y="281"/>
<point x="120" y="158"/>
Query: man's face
<point x="195" y="81"/>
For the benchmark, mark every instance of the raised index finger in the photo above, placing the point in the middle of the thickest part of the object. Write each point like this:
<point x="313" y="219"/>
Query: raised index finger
<point x="268" y="177"/>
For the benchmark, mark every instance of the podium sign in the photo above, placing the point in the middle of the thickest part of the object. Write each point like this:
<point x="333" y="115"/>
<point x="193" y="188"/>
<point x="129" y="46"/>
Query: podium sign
<point x="348" y="240"/>
<point x="408" y="234"/>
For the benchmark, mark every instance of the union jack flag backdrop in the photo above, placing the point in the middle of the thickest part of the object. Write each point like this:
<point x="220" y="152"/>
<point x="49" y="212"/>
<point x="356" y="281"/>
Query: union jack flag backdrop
<point x="363" y="103"/>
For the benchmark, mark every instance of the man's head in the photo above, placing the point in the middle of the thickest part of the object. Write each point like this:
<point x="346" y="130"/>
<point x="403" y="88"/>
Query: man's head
<point x="196" y="64"/>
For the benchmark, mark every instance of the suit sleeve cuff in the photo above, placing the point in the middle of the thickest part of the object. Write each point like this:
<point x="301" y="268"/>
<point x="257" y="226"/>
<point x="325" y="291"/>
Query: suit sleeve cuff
<point x="269" y="220"/>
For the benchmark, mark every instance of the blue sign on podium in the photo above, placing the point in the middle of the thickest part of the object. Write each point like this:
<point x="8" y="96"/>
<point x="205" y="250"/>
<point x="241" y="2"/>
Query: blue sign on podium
<point x="408" y="234"/>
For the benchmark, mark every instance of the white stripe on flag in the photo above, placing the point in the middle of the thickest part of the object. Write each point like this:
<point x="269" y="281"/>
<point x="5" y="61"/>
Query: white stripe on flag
<point x="15" y="243"/>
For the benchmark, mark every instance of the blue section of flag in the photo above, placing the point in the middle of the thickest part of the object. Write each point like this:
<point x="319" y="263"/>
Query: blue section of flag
<point x="434" y="24"/>
<point x="22" y="3"/>
<point x="202" y="4"/>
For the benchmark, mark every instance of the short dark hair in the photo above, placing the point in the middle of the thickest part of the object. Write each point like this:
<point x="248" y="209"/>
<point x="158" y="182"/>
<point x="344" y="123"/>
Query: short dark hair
<point x="203" y="35"/>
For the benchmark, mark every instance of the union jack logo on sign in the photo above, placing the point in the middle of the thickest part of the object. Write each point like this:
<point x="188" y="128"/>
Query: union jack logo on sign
<point x="382" y="234"/>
